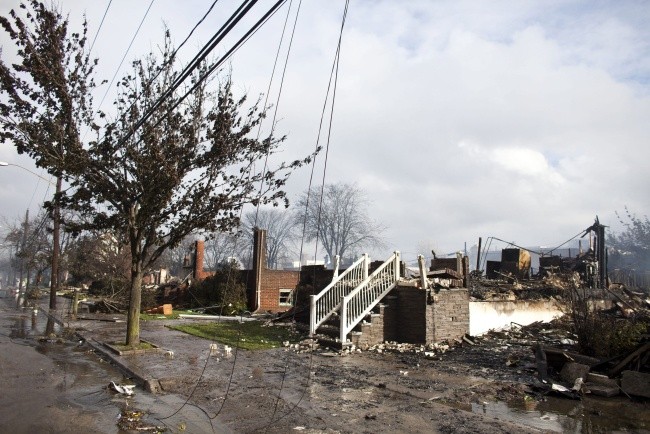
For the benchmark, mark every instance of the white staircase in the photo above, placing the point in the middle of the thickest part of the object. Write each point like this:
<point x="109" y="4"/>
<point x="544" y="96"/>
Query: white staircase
<point x="353" y="294"/>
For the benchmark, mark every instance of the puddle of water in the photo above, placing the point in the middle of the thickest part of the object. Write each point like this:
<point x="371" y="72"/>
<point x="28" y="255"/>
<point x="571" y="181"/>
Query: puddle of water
<point x="590" y="415"/>
<point x="34" y="324"/>
<point x="547" y="421"/>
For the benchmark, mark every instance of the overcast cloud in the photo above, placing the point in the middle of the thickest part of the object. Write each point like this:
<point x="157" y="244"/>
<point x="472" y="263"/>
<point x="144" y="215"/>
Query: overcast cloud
<point x="517" y="119"/>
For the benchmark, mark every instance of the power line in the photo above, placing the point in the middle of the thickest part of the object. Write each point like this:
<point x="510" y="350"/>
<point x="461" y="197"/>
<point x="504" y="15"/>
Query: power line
<point x="125" y="54"/>
<point x="217" y="38"/>
<point x="335" y="75"/>
<point x="100" y="26"/>
<point x="222" y="60"/>
<point x="195" y="27"/>
<point x="243" y="9"/>
<point x="171" y="57"/>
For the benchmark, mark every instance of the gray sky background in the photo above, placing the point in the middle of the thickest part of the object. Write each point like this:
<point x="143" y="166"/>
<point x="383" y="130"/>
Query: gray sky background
<point x="516" y="119"/>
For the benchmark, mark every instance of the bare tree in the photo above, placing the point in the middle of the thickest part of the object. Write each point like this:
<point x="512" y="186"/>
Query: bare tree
<point x="174" y="258"/>
<point x="220" y="247"/>
<point x="30" y="245"/>
<point x="338" y="219"/>
<point x="280" y="228"/>
<point x="633" y="241"/>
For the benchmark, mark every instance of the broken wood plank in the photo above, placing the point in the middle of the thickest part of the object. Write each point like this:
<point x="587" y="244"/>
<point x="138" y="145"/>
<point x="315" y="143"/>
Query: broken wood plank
<point x="634" y="354"/>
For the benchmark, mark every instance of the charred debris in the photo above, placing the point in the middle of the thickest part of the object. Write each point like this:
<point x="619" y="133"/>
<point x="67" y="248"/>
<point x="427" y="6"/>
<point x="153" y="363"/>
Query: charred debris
<point x="600" y="346"/>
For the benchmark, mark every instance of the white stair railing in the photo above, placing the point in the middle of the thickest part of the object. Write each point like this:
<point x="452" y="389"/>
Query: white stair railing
<point x="358" y="303"/>
<point x="328" y="301"/>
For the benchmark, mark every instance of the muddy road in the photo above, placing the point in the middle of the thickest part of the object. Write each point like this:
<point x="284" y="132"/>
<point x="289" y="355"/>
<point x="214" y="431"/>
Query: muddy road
<point x="59" y="385"/>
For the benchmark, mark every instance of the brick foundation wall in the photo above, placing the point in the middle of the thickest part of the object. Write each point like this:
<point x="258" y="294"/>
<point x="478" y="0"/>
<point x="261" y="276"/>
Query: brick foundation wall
<point x="410" y="318"/>
<point x="448" y="315"/>
<point x="411" y="315"/>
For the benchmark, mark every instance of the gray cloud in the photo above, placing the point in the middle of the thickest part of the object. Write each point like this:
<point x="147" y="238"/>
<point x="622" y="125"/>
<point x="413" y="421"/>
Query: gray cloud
<point x="521" y="120"/>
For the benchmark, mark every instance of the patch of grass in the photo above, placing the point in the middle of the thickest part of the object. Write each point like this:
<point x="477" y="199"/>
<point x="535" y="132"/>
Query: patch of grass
<point x="249" y="335"/>
<point x="121" y="346"/>
<point x="160" y="316"/>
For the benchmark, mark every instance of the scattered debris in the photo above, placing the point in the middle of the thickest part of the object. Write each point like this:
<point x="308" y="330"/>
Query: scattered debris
<point x="636" y="383"/>
<point x="126" y="389"/>
<point x="165" y="309"/>
<point x="131" y="420"/>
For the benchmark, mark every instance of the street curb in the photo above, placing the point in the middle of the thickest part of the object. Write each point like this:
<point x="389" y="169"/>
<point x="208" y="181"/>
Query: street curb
<point x="130" y="373"/>
<point x="150" y="385"/>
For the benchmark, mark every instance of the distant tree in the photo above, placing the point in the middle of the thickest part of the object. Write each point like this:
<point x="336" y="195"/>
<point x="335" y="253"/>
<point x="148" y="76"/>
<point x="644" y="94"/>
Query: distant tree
<point x="280" y="226"/>
<point x="189" y="168"/>
<point x="46" y="96"/>
<point x="11" y="245"/>
<point x="173" y="258"/>
<point x="36" y="252"/>
<point x="220" y="249"/>
<point x="634" y="239"/>
<point x="339" y="221"/>
<point x="100" y="258"/>
<point x="30" y="245"/>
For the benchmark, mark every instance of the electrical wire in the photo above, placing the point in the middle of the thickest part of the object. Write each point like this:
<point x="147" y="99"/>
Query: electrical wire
<point x="100" y="27"/>
<point x="268" y="93"/>
<point x="245" y="38"/>
<point x="125" y="54"/>
<point x="333" y="73"/>
<point x="230" y="52"/>
<point x="243" y="9"/>
<point x="264" y="170"/>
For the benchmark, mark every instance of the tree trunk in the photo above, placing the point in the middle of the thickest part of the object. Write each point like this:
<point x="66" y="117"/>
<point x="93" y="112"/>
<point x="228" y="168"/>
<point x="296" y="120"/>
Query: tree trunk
<point x="133" y="318"/>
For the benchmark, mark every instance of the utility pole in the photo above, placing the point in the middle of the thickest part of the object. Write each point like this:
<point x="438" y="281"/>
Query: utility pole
<point x="22" y="259"/>
<point x="56" y="246"/>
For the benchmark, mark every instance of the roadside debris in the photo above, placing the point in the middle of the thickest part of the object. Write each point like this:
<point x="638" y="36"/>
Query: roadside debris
<point x="131" y="420"/>
<point x="123" y="389"/>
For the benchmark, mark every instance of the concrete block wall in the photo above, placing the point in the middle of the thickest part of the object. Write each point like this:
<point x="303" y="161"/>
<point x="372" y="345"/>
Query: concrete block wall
<point x="380" y="327"/>
<point x="372" y="332"/>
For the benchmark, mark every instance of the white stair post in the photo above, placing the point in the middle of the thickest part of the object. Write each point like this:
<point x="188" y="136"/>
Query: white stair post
<point x="344" y="319"/>
<point x="398" y="271"/>
<point x="337" y="263"/>
<point x="312" y="315"/>
<point x="424" y="283"/>
<point x="366" y="265"/>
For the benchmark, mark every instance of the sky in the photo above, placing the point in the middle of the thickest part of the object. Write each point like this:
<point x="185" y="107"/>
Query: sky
<point x="459" y="119"/>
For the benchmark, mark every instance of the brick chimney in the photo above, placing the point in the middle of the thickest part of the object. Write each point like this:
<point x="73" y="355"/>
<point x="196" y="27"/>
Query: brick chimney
<point x="259" y="264"/>
<point x="199" y="249"/>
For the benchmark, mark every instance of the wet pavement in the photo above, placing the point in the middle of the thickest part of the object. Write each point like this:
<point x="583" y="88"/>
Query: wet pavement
<point x="53" y="382"/>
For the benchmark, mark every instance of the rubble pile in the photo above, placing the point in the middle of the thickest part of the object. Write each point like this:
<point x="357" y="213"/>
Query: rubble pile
<point x="552" y="286"/>
<point x="545" y="357"/>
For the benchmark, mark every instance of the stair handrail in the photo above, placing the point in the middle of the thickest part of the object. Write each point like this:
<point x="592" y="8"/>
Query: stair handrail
<point x="327" y="301"/>
<point x="359" y="302"/>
